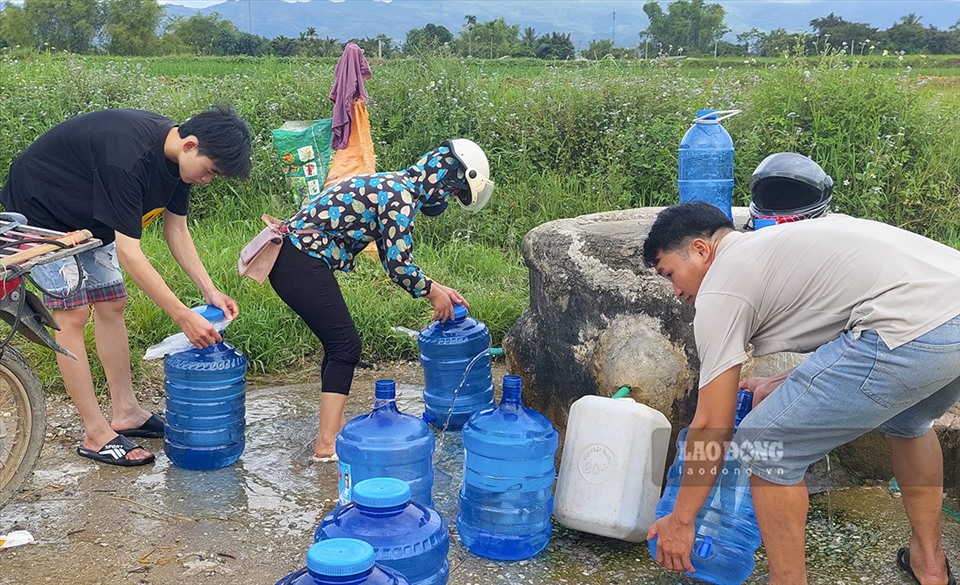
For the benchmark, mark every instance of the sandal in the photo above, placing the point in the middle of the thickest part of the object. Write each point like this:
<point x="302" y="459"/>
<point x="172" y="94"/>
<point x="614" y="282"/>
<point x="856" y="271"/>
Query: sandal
<point x="152" y="429"/>
<point x="903" y="561"/>
<point x="115" y="453"/>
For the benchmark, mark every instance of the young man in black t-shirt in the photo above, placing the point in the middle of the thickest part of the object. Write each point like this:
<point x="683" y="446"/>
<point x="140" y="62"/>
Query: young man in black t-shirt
<point x="113" y="172"/>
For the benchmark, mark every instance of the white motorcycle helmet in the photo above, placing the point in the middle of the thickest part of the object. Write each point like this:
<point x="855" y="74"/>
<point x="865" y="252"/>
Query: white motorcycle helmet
<point x="476" y="173"/>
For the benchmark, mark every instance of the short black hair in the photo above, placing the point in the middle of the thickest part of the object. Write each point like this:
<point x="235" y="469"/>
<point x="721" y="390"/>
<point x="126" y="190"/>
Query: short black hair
<point x="224" y="137"/>
<point x="676" y="225"/>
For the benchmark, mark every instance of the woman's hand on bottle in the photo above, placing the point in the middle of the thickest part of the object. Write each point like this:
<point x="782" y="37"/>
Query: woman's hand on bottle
<point x="443" y="298"/>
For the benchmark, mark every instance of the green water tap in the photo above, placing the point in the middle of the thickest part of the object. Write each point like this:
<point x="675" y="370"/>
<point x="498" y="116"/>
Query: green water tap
<point x="495" y="351"/>
<point x="622" y="392"/>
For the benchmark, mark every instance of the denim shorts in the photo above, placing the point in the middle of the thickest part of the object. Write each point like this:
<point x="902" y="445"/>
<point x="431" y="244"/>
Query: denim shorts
<point x="102" y="279"/>
<point x="846" y="388"/>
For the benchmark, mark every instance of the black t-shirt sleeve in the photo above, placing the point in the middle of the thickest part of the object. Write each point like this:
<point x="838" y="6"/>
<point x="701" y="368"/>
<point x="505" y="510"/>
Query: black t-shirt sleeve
<point x="180" y="202"/>
<point x="118" y="200"/>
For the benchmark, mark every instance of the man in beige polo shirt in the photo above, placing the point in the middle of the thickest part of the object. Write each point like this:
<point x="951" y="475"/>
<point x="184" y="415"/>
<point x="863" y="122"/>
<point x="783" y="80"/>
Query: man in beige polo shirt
<point x="878" y="306"/>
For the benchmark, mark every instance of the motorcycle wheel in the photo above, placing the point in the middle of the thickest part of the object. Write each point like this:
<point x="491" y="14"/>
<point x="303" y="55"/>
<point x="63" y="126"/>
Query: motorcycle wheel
<point x="22" y="422"/>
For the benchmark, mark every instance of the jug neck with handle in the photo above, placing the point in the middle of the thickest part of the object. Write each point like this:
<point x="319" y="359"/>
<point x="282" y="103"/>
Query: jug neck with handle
<point x="705" y="161"/>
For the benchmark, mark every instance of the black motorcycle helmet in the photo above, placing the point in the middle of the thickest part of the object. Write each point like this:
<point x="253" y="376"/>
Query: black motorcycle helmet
<point x="788" y="186"/>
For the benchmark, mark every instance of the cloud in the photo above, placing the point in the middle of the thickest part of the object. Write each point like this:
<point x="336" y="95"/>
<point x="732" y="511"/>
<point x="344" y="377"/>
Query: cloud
<point x="191" y="3"/>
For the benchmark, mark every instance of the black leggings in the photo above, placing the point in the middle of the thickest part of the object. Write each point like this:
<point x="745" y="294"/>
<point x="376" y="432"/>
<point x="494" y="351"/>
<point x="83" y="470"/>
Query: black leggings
<point x="308" y="286"/>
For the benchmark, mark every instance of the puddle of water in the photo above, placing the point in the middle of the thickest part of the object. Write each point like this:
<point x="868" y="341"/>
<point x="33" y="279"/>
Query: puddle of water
<point x="51" y="494"/>
<point x="275" y="494"/>
<point x="829" y="489"/>
<point x="273" y="484"/>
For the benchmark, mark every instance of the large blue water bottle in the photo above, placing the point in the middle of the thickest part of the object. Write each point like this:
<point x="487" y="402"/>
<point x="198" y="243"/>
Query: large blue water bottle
<point x="386" y="443"/>
<point x="727" y="533"/>
<point x="453" y="352"/>
<point x="408" y="537"/>
<point x="205" y="403"/>
<point x="343" y="561"/>
<point x="507" y="495"/>
<point x="706" y="162"/>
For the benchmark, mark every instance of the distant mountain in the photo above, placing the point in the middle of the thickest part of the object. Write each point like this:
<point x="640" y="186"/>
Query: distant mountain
<point x="585" y="20"/>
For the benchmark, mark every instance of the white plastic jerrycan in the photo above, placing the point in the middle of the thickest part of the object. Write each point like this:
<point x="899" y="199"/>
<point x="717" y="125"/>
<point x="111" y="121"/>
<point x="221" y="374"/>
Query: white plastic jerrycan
<point x="611" y="472"/>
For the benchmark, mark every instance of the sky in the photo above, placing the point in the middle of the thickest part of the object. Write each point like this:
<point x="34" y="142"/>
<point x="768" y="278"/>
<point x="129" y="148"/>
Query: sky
<point x="586" y="20"/>
<point x="940" y="13"/>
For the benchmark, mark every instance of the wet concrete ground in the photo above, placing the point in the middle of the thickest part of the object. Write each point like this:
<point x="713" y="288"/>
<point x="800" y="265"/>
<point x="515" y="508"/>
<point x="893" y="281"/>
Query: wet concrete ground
<point x="252" y="522"/>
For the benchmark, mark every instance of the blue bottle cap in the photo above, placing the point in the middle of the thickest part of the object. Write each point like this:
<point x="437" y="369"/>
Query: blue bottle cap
<point x="706" y="115"/>
<point x="459" y="312"/>
<point x="381" y="492"/>
<point x="209" y="312"/>
<point x="338" y="557"/>
<point x="385" y="390"/>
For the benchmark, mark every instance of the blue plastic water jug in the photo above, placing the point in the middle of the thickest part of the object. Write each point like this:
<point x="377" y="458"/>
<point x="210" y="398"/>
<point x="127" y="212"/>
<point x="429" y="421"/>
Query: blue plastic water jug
<point x="408" y="537"/>
<point x="205" y="403"/>
<point x="386" y="443"/>
<point x="507" y="495"/>
<point x="343" y="561"/>
<point x="706" y="162"/>
<point x="727" y="533"/>
<point x="447" y="350"/>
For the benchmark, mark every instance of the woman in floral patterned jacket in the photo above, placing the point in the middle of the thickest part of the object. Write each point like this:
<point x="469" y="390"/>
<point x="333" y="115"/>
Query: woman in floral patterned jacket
<point x="328" y="232"/>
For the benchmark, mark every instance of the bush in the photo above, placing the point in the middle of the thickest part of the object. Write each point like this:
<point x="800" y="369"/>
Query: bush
<point x="563" y="139"/>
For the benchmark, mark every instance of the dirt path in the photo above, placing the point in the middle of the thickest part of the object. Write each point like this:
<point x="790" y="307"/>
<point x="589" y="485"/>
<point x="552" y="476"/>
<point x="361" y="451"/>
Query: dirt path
<point x="251" y="523"/>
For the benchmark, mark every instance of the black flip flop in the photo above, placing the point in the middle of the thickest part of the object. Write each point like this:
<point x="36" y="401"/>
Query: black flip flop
<point x="152" y="429"/>
<point x="115" y="453"/>
<point x="903" y="561"/>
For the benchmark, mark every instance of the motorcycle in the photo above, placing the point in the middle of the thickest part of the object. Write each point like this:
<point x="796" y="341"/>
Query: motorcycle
<point x="22" y="404"/>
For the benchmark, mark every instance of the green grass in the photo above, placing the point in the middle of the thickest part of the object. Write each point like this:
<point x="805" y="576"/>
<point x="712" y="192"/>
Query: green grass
<point x="564" y="139"/>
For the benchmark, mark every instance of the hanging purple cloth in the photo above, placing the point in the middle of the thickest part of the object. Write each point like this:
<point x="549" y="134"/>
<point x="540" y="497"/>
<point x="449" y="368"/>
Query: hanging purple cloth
<point x="352" y="69"/>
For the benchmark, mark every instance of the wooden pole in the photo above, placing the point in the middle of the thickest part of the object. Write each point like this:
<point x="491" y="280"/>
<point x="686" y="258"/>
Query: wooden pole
<point x="71" y="239"/>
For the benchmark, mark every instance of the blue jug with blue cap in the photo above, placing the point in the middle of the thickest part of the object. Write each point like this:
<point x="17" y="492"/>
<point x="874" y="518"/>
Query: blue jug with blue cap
<point x="458" y="379"/>
<point x="343" y="561"/>
<point x="411" y="538"/>
<point x="205" y="390"/>
<point x="727" y="534"/>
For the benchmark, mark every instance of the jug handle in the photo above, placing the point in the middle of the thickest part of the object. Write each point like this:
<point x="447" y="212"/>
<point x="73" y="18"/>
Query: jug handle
<point x="721" y="115"/>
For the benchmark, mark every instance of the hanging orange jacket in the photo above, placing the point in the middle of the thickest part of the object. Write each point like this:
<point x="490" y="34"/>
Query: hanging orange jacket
<point x="357" y="157"/>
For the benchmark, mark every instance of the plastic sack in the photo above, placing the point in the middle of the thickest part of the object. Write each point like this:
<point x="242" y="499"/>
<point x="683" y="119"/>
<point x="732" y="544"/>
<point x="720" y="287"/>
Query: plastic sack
<point x="304" y="151"/>
<point x="15" y="538"/>
<point x="178" y="342"/>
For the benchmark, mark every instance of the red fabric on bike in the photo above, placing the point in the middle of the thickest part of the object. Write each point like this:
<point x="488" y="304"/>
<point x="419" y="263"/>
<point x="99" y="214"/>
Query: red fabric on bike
<point x="9" y="285"/>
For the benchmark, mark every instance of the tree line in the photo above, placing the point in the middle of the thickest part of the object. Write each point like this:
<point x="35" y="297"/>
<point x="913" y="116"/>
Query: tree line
<point x="686" y="28"/>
